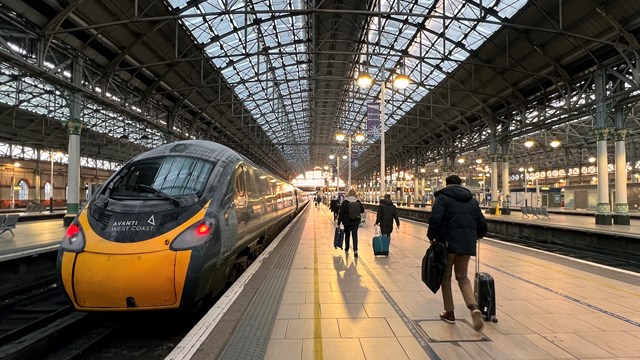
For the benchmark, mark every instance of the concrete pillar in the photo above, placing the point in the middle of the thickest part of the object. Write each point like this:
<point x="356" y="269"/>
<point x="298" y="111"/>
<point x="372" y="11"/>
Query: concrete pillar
<point x="494" y="182"/>
<point x="36" y="184"/>
<point x="506" y="192"/>
<point x="603" y="209"/>
<point x="74" y="127"/>
<point x="621" y="207"/>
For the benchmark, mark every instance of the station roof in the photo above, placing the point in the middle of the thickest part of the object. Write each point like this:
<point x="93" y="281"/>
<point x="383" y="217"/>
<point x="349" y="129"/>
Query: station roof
<point x="275" y="79"/>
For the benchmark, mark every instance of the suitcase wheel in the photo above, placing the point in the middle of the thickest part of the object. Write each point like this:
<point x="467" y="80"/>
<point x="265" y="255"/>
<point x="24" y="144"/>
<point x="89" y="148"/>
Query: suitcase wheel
<point x="494" y="319"/>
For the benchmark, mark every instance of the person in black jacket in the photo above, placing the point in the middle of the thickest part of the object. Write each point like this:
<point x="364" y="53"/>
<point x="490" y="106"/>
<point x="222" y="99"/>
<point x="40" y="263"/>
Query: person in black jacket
<point x="349" y="216"/>
<point x="387" y="212"/>
<point x="456" y="220"/>
<point x="334" y="206"/>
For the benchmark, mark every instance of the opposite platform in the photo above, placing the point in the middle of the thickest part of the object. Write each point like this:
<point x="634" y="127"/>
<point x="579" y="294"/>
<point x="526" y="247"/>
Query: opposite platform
<point x="333" y="306"/>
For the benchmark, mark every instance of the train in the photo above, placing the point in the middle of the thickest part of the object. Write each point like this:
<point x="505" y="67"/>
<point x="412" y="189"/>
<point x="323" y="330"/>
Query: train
<point x="173" y="227"/>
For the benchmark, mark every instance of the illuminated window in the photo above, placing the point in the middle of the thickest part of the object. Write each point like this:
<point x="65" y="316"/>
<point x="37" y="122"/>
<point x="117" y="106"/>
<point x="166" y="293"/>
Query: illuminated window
<point x="23" y="193"/>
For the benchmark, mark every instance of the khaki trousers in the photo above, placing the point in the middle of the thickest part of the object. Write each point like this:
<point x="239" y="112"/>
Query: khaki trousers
<point x="459" y="264"/>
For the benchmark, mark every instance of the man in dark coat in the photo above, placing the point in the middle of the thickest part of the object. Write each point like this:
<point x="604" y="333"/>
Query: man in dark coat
<point x="350" y="223"/>
<point x="456" y="219"/>
<point x="334" y="206"/>
<point x="387" y="212"/>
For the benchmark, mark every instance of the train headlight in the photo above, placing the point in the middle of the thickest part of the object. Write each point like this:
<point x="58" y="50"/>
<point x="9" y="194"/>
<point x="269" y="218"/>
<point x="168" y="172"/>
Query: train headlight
<point x="195" y="235"/>
<point x="73" y="240"/>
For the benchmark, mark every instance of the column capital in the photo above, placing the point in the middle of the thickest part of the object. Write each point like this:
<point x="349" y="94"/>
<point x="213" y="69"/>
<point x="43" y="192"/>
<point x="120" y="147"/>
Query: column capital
<point x="601" y="134"/>
<point x="494" y="157"/>
<point x="74" y="126"/>
<point x="620" y="134"/>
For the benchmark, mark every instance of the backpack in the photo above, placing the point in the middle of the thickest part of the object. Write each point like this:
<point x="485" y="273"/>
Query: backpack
<point x="354" y="210"/>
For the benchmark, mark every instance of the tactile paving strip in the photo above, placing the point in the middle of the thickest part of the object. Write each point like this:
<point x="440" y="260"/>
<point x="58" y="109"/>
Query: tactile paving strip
<point x="251" y="338"/>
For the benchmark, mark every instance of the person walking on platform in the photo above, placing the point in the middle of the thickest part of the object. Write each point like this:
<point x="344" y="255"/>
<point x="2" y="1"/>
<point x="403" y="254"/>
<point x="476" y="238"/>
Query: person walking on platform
<point x="350" y="215"/>
<point x="387" y="212"/>
<point x="334" y="206"/>
<point x="456" y="220"/>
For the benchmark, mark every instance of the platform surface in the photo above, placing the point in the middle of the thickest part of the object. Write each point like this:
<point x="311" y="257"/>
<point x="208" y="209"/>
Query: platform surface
<point x="30" y="238"/>
<point x="335" y="306"/>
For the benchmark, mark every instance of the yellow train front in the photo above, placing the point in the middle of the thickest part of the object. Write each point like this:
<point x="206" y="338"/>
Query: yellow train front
<point x="171" y="228"/>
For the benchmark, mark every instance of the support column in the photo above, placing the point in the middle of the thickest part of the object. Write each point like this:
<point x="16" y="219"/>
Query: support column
<point x="506" y="192"/>
<point x="633" y="160"/>
<point x="495" y="202"/>
<point x="621" y="207"/>
<point x="37" y="173"/>
<point x="74" y="127"/>
<point x="603" y="210"/>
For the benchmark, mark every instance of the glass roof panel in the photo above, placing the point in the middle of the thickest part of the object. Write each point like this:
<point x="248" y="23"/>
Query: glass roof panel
<point x="253" y="62"/>
<point x="441" y="46"/>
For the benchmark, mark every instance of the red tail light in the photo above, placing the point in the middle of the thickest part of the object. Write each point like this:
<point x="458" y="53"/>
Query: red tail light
<point x="73" y="240"/>
<point x="72" y="230"/>
<point x="203" y="229"/>
<point x="193" y="236"/>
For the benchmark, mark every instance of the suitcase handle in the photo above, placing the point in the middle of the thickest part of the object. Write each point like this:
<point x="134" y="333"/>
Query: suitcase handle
<point x="376" y="230"/>
<point x="477" y="256"/>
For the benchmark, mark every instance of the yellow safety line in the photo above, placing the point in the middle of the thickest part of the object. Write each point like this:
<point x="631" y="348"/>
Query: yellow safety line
<point x="317" y="324"/>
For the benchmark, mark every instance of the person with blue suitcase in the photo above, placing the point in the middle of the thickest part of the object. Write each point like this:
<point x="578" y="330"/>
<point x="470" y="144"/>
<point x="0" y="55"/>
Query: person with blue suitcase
<point x="457" y="221"/>
<point x="387" y="213"/>
<point x="349" y="216"/>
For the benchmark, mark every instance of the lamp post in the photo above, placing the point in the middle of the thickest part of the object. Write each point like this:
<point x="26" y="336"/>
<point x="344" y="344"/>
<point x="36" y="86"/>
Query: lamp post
<point x="359" y="137"/>
<point x="400" y="82"/>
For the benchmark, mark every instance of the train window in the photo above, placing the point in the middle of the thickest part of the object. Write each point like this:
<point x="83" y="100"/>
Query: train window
<point x="174" y="175"/>
<point x="239" y="180"/>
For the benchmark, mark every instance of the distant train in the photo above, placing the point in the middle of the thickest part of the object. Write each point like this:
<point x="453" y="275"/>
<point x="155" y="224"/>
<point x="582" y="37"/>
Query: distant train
<point x="172" y="228"/>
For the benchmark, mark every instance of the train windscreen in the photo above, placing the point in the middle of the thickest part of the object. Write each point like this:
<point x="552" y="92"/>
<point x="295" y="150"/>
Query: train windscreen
<point x="172" y="176"/>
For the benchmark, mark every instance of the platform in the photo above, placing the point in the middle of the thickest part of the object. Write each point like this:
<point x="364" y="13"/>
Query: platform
<point x="306" y="300"/>
<point x="31" y="238"/>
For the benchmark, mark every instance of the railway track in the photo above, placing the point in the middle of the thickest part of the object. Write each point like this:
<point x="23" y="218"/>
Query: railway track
<point x="616" y="260"/>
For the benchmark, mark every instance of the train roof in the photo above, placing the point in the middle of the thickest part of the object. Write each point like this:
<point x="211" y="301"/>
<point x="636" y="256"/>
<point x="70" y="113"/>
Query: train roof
<point x="202" y="149"/>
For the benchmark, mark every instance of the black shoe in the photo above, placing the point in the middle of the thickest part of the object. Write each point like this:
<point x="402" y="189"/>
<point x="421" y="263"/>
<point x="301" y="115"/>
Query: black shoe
<point x="355" y="253"/>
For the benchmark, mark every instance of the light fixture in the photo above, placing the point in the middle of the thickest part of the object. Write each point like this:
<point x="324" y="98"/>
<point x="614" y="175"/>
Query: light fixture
<point x="554" y="143"/>
<point x="478" y="161"/>
<point x="326" y="167"/>
<point x="401" y="81"/>
<point x="592" y="159"/>
<point x="529" y="143"/>
<point x="521" y="169"/>
<point x="332" y="156"/>
<point x="344" y="157"/>
<point x="435" y="170"/>
<point x="423" y="170"/>
<point x="530" y="169"/>
<point x="16" y="164"/>
<point x="461" y="161"/>
<point x="364" y="80"/>
<point x="340" y="136"/>
<point x="359" y="137"/>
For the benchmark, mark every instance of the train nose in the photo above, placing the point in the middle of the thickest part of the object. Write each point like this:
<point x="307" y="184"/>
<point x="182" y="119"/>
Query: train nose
<point x="111" y="281"/>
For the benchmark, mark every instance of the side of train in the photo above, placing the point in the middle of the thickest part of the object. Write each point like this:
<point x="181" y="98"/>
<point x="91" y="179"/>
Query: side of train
<point x="172" y="227"/>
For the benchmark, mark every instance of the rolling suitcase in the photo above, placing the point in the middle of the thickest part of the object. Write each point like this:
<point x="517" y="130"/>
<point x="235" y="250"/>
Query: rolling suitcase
<point x="338" y="237"/>
<point x="485" y="291"/>
<point x="380" y="243"/>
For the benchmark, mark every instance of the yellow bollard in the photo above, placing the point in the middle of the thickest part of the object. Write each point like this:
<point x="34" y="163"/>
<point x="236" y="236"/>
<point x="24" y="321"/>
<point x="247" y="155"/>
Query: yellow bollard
<point x="498" y="210"/>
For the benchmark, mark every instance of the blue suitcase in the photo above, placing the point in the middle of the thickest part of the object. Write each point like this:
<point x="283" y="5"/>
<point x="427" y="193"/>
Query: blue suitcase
<point x="338" y="238"/>
<point x="381" y="245"/>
